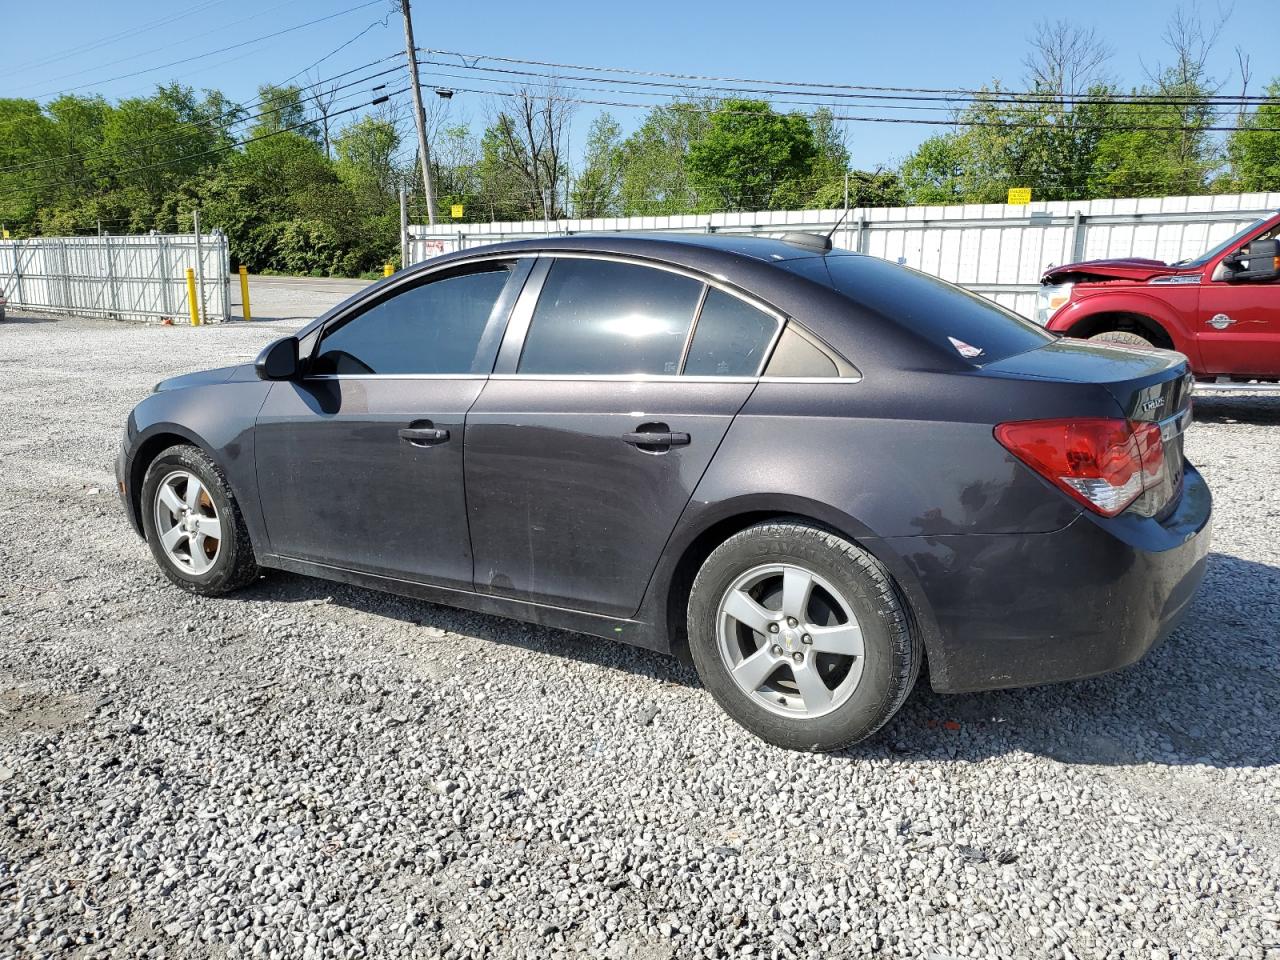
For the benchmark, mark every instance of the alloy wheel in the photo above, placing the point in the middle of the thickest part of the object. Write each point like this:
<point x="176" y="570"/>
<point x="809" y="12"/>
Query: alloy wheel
<point x="187" y="522"/>
<point x="790" y="641"/>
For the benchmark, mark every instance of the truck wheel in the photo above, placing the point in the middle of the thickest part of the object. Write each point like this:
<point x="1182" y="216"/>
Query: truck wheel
<point x="1126" y="337"/>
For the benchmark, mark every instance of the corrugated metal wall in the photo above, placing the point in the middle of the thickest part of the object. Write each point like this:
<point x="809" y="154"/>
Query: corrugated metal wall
<point x="994" y="249"/>
<point x="123" y="278"/>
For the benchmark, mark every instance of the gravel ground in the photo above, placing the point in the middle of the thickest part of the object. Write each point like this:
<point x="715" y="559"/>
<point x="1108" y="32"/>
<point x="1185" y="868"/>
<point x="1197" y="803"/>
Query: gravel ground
<point x="297" y="299"/>
<point x="312" y="770"/>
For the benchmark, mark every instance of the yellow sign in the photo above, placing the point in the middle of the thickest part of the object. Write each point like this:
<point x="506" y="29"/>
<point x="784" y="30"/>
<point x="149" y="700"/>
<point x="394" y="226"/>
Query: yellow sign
<point x="1019" y="196"/>
<point x="456" y="211"/>
<point x="6" y="235"/>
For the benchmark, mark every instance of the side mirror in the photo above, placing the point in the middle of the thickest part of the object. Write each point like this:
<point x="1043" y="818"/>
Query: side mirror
<point x="279" y="360"/>
<point x="1259" y="260"/>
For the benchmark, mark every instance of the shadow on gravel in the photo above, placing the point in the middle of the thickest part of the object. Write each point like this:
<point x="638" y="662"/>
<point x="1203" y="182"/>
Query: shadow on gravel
<point x="291" y="588"/>
<point x="12" y="321"/>
<point x="1205" y="696"/>
<point x="1263" y="410"/>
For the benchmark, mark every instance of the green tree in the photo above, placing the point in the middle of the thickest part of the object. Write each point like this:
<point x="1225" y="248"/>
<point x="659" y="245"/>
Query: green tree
<point x="751" y="157"/>
<point x="655" y="174"/>
<point x="1253" y="152"/>
<point x="597" y="192"/>
<point x="935" y="171"/>
<point x="283" y="108"/>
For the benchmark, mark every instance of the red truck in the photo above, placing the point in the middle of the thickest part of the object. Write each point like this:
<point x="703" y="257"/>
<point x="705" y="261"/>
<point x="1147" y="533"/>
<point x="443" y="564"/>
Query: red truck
<point x="1221" y="309"/>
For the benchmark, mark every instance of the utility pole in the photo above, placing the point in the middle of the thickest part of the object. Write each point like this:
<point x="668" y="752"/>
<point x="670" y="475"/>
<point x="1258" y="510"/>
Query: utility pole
<point x="419" y="116"/>
<point x="404" y="225"/>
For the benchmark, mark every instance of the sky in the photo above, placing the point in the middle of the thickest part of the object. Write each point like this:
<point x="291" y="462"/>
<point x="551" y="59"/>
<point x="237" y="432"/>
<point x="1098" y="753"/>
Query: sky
<point x="112" y="47"/>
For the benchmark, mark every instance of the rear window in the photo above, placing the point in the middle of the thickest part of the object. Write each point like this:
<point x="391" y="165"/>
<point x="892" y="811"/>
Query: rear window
<point x="961" y="322"/>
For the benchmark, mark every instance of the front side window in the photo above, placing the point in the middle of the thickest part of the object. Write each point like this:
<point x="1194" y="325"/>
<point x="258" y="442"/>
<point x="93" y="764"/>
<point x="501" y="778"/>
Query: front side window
<point x="731" y="338"/>
<point x="433" y="328"/>
<point x="601" y="317"/>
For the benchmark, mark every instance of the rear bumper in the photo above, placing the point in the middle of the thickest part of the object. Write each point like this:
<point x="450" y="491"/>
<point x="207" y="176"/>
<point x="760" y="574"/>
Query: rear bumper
<point x="1095" y="596"/>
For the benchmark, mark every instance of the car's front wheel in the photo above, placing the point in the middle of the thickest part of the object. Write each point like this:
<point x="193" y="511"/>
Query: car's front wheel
<point x="801" y="636"/>
<point x="193" y="524"/>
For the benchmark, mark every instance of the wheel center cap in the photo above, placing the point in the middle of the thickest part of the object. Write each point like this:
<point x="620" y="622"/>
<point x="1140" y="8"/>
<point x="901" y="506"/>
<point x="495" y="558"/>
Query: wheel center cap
<point x="789" y="637"/>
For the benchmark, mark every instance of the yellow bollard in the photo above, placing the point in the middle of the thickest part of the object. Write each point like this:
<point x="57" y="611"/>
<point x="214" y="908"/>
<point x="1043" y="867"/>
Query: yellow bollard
<point x="387" y="270"/>
<point x="192" y="300"/>
<point x="244" y="290"/>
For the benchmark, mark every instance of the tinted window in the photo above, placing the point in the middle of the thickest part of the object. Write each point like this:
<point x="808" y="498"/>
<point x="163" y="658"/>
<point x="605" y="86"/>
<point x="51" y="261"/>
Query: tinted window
<point x="730" y="338"/>
<point x="602" y="317"/>
<point x="798" y="356"/>
<point x="432" y="328"/>
<point x="942" y="313"/>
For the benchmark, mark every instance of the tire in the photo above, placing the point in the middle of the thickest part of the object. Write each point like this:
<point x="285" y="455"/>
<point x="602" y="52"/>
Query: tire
<point x="847" y="586"/>
<point x="1125" y="337"/>
<point x="198" y="562"/>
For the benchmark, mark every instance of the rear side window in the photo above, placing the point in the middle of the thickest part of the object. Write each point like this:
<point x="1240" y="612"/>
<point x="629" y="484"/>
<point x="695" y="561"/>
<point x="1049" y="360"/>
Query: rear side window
<point x="604" y="317"/>
<point x="730" y="339"/>
<point x="435" y="327"/>
<point x="954" y="319"/>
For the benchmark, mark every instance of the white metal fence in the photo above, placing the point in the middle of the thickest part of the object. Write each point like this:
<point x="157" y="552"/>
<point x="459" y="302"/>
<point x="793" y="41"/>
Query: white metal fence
<point x="123" y="278"/>
<point x="994" y="249"/>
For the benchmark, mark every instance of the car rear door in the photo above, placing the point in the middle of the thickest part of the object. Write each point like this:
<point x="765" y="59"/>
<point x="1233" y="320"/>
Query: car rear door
<point x="360" y="461"/>
<point x="605" y="408"/>
<point x="1238" y="321"/>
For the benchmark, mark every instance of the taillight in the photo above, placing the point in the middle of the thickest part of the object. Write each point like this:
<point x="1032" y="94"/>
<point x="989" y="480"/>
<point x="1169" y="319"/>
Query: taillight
<point x="1104" y="464"/>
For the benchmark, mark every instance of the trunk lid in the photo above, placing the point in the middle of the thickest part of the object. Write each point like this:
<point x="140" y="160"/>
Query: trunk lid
<point x="1149" y="385"/>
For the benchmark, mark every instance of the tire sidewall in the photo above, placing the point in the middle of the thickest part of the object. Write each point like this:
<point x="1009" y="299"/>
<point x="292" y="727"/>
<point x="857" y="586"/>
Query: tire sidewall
<point x="874" y="699"/>
<point x="187" y="459"/>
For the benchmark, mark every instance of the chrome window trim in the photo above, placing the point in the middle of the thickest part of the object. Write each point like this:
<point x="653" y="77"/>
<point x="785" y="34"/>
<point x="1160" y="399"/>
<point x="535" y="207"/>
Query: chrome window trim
<point x="397" y="376"/>
<point x="663" y="378"/>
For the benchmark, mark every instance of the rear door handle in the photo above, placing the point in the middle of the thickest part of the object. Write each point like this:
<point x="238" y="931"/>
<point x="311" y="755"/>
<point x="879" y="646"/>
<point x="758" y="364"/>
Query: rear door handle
<point x="423" y="436"/>
<point x="644" y="439"/>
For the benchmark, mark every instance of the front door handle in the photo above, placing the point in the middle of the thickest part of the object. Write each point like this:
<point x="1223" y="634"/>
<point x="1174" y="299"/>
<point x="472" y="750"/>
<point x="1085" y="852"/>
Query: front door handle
<point x="642" y="438"/>
<point x="423" y="436"/>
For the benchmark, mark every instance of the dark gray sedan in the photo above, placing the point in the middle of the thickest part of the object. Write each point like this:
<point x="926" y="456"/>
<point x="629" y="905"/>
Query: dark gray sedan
<point x="810" y="471"/>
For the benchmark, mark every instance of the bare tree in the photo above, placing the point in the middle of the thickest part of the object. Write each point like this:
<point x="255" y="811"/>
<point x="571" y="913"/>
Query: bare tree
<point x="1243" y="61"/>
<point x="532" y="142"/>
<point x="1066" y="59"/>
<point x="323" y="96"/>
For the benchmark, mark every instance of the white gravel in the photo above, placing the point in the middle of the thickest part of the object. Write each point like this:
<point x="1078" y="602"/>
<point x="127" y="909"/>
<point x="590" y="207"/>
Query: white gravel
<point x="311" y="770"/>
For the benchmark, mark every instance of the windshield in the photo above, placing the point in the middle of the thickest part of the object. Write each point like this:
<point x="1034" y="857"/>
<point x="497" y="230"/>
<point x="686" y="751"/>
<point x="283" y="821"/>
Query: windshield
<point x="1204" y="258"/>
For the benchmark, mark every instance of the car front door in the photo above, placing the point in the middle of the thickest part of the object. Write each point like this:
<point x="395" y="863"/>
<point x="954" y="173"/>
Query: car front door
<point x="615" y="385"/>
<point x="1238" y="322"/>
<point x="360" y="460"/>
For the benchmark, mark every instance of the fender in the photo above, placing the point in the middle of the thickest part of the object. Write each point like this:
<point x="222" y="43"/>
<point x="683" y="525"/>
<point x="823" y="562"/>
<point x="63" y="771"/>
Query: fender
<point x="1136" y="301"/>
<point x="219" y="419"/>
<point x="703" y="526"/>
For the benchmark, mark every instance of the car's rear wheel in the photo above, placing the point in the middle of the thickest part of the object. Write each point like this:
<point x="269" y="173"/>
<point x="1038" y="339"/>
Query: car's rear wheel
<point x="801" y="636"/>
<point x="1126" y="337"/>
<point x="193" y="524"/>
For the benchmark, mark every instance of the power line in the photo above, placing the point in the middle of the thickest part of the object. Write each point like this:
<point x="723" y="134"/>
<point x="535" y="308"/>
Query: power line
<point x="476" y="57"/>
<point x="853" y="118"/>
<point x="112" y="38"/>
<point x="983" y="97"/>
<point x="210" y="53"/>
<point x="553" y="85"/>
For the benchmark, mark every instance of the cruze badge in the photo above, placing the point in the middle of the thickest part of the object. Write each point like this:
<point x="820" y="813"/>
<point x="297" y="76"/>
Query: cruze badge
<point x="1153" y="404"/>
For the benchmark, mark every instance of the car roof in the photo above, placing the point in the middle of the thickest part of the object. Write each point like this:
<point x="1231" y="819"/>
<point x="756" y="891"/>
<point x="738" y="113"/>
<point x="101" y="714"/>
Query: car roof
<point x="765" y="249"/>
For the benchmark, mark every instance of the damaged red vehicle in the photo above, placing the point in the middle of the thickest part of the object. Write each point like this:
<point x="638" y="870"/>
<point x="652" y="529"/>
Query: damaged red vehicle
<point x="1221" y="309"/>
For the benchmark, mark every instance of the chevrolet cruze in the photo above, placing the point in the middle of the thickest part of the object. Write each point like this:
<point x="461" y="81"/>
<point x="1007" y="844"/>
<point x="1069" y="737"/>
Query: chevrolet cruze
<point x="811" y="472"/>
